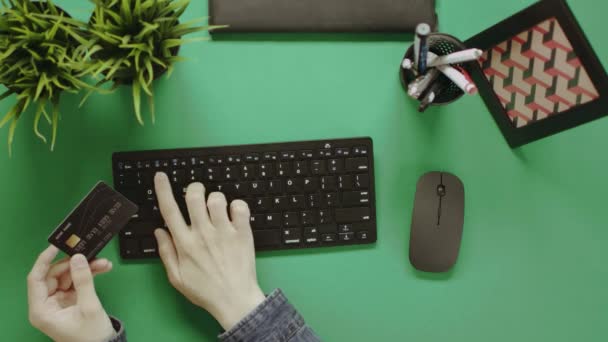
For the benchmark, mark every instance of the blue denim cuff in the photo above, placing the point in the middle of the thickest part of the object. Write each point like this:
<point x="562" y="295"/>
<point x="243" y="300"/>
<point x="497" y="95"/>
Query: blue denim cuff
<point x="275" y="319"/>
<point x="121" y="334"/>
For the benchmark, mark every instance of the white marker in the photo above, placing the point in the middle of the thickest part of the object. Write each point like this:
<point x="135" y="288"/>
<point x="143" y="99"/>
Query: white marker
<point x="417" y="87"/>
<point x="458" y="78"/>
<point x="407" y="64"/>
<point x="455" y="58"/>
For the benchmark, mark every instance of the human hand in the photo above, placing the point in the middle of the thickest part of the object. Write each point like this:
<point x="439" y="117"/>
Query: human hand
<point x="212" y="261"/>
<point x="62" y="299"/>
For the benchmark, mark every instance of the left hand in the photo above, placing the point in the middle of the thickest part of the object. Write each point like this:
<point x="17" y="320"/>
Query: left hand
<point x="62" y="299"/>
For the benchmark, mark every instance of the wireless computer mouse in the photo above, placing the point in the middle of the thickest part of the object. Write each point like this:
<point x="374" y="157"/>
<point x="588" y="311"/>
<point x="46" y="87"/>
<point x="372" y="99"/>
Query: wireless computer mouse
<point x="437" y="222"/>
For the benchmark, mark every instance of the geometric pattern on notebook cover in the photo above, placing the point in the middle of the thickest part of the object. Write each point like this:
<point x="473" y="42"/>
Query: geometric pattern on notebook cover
<point x="537" y="74"/>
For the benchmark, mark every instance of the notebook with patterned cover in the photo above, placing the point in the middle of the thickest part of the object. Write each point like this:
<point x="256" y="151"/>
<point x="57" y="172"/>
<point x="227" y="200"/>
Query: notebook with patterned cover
<point x="538" y="74"/>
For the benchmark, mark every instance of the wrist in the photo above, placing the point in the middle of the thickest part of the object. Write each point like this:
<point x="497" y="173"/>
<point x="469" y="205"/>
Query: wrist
<point x="108" y="332"/>
<point x="239" y="308"/>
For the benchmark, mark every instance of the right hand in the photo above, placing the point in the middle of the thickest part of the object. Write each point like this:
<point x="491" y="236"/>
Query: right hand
<point x="212" y="261"/>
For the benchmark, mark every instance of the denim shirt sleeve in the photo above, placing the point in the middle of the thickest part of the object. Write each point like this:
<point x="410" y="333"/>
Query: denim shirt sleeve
<point x="274" y="320"/>
<point x="121" y="334"/>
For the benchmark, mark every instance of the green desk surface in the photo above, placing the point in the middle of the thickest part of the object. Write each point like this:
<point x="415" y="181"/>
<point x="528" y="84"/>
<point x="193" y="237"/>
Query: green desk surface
<point x="533" y="261"/>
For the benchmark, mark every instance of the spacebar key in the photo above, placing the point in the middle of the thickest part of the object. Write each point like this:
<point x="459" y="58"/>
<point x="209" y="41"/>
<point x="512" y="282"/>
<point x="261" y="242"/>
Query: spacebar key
<point x="352" y="214"/>
<point x="267" y="238"/>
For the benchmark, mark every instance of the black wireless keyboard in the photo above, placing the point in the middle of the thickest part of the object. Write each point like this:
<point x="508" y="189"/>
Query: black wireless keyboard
<point x="301" y="194"/>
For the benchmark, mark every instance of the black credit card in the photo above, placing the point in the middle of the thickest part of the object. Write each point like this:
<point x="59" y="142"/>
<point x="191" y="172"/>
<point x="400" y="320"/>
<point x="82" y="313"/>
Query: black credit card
<point x="94" y="221"/>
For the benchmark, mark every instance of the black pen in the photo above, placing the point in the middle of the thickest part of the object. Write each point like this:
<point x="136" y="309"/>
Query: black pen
<point x="421" y="47"/>
<point x="431" y="95"/>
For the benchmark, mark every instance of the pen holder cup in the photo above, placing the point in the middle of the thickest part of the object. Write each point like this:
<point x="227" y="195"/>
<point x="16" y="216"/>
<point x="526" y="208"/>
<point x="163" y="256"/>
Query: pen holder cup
<point x="439" y="44"/>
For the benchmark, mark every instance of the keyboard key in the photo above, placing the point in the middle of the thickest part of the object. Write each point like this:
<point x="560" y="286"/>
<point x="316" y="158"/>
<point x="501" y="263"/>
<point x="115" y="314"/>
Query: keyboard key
<point x="251" y="157"/>
<point x="328" y="228"/>
<point x="149" y="246"/>
<point x="345" y="215"/>
<point x="318" y="167"/>
<point x="363" y="235"/>
<point x="270" y="156"/>
<point x="237" y="189"/>
<point x="313" y="201"/>
<point x="266" y="171"/>
<point x="329" y="238"/>
<point x="257" y="187"/>
<point x="193" y="161"/>
<point x="288" y="155"/>
<point x="347" y="236"/>
<point x="249" y="171"/>
<point x="342" y="152"/>
<point x="355" y="198"/>
<point x="360" y="151"/>
<point x="178" y="176"/>
<point x="308" y="231"/>
<point x="356" y="164"/>
<point x="330" y="199"/>
<point x="293" y="185"/>
<point x="310" y="184"/>
<point x="267" y="238"/>
<point x="272" y="220"/>
<point x="300" y="168"/>
<point x="195" y="175"/>
<point x="328" y="183"/>
<point x="275" y="187"/>
<point x="284" y="169"/>
<point x="362" y="181"/>
<point x="307" y="218"/>
<point x="306" y="154"/>
<point x="324" y="216"/>
<point x="336" y="165"/>
<point x="290" y="219"/>
<point x="280" y="203"/>
<point x="257" y="221"/>
<point x="311" y="235"/>
<point x="262" y="204"/>
<point x="176" y="162"/>
<point x="325" y="153"/>
<point x="129" y="247"/>
<point x="212" y="173"/>
<point x="292" y="236"/>
<point x="213" y="160"/>
<point x="345" y="182"/>
<point x="234" y="159"/>
<point x="297" y="202"/>
<point x="229" y="173"/>
<point x="345" y="228"/>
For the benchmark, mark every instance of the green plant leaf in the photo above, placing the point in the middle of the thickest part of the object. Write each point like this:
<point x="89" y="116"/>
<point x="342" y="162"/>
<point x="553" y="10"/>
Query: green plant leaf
<point x="137" y="9"/>
<point x="151" y="106"/>
<point x="137" y="100"/>
<point x="10" y="115"/>
<point x="37" y="116"/>
<point x="170" y="43"/>
<point x="125" y="11"/>
<point x="143" y="83"/>
<point x="11" y="136"/>
<point x="6" y="94"/>
<point x="147" y="28"/>
<point x="55" y="123"/>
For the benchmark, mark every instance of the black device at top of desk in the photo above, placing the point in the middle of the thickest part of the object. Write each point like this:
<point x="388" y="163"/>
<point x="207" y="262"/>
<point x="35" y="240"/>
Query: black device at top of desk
<point x="321" y="15"/>
<point x="301" y="194"/>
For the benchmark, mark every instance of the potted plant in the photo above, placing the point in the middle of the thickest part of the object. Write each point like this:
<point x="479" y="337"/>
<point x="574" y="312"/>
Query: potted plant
<point x="139" y="42"/>
<point x="41" y="56"/>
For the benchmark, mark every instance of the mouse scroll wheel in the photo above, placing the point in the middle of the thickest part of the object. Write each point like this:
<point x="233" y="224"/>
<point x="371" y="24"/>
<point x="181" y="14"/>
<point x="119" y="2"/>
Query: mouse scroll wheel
<point x="441" y="190"/>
